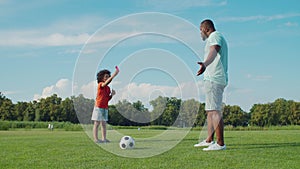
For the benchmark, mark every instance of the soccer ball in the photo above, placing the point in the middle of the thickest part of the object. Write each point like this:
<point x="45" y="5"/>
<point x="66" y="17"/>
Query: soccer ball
<point x="127" y="142"/>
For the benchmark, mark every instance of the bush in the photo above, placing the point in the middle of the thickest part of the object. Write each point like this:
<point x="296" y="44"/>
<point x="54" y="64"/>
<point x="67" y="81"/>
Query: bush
<point x="68" y="126"/>
<point x="4" y="125"/>
<point x="73" y="127"/>
<point x="141" y="127"/>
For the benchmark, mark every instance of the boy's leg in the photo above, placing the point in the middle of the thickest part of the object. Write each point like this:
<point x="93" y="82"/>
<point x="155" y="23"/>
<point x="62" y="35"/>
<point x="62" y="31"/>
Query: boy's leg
<point x="95" y="130"/>
<point x="103" y="130"/>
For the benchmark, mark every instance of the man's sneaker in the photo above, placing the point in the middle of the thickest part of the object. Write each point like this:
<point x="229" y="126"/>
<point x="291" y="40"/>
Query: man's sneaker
<point x="204" y="143"/>
<point x="215" y="146"/>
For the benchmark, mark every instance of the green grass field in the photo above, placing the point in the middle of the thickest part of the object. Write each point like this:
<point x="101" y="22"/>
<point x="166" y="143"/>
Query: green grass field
<point x="40" y="148"/>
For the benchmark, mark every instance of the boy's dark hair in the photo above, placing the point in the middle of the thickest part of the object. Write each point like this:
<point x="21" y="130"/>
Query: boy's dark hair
<point x="101" y="74"/>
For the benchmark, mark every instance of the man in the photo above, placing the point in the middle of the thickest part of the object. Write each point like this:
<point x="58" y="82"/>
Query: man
<point x="214" y="68"/>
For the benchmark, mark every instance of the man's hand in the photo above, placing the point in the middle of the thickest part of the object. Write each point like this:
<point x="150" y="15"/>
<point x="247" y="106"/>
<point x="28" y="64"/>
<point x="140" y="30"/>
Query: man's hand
<point x="202" y="68"/>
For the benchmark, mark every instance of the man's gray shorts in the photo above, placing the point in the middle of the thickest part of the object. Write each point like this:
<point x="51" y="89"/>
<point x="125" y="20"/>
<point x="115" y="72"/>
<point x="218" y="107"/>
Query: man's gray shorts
<point x="213" y="95"/>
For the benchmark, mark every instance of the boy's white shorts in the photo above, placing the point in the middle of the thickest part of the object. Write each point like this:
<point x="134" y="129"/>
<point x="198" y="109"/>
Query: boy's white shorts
<point x="100" y="114"/>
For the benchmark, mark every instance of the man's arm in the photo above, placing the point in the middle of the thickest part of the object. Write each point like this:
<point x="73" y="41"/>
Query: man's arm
<point x="213" y="51"/>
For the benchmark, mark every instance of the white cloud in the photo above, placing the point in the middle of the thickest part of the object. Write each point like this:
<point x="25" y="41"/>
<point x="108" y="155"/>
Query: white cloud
<point x="258" y="17"/>
<point x="58" y="39"/>
<point x="43" y="38"/>
<point x="132" y="92"/>
<point x="60" y="33"/>
<point x="173" y="5"/>
<point x="34" y="38"/>
<point x="63" y="88"/>
<point x="80" y="31"/>
<point x="233" y="90"/>
<point x="241" y="96"/>
<point x="10" y="92"/>
<point x="144" y="92"/>
<point x="259" y="77"/>
<point x="89" y="90"/>
<point x="291" y="24"/>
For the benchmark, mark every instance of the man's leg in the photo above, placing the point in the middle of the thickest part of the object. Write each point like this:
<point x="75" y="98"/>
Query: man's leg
<point x="210" y="127"/>
<point x="218" y="126"/>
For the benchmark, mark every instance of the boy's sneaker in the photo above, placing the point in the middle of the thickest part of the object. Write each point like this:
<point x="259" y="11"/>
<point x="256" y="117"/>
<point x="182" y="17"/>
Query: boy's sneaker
<point x="106" y="141"/>
<point x="204" y="143"/>
<point x="215" y="146"/>
<point x="99" y="141"/>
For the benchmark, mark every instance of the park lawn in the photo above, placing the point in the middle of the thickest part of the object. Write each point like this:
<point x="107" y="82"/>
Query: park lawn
<point x="40" y="148"/>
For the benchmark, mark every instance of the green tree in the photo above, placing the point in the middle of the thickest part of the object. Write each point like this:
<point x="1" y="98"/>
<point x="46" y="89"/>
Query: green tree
<point x="44" y="110"/>
<point x="6" y="108"/>
<point x="139" y="106"/>
<point x="256" y="115"/>
<point x="188" y="113"/>
<point x="37" y="116"/>
<point x="29" y="113"/>
<point x="159" y="105"/>
<point x="20" y="108"/>
<point x="83" y="108"/>
<point x="132" y="114"/>
<point x="201" y="115"/>
<point x="55" y="107"/>
<point x="170" y="111"/>
<point x="49" y="109"/>
<point x="140" y="114"/>
<point x="235" y="116"/>
<point x="294" y="115"/>
<point x="114" y="117"/>
<point x="68" y="112"/>
<point x="280" y="112"/>
<point x="126" y="110"/>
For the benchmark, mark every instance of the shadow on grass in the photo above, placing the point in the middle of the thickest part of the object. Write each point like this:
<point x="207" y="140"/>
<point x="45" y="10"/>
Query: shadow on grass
<point x="197" y="139"/>
<point x="262" y="145"/>
<point x="162" y="140"/>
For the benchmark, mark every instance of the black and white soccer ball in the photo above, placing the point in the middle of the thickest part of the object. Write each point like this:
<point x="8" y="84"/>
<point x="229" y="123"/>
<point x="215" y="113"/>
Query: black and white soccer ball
<point x="127" y="142"/>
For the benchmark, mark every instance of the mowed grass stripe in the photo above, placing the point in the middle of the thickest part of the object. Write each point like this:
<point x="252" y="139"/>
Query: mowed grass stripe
<point x="65" y="149"/>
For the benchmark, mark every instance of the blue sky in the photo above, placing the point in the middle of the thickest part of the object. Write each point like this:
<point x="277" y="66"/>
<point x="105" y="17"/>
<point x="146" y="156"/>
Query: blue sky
<point x="43" y="43"/>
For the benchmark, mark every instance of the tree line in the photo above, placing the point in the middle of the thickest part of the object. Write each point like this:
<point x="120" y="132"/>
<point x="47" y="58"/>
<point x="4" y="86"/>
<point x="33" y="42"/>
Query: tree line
<point x="168" y="111"/>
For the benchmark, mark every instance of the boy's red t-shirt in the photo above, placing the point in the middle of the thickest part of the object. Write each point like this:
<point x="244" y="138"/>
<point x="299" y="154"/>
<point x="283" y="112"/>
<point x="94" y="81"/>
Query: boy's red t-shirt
<point x="103" y="96"/>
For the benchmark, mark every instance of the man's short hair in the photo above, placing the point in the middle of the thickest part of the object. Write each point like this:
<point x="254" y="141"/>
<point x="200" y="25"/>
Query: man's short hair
<point x="208" y="24"/>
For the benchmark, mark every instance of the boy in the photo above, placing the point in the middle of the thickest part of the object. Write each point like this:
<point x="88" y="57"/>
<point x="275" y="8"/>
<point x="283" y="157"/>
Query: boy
<point x="100" y="112"/>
